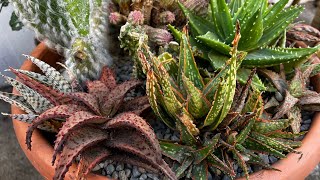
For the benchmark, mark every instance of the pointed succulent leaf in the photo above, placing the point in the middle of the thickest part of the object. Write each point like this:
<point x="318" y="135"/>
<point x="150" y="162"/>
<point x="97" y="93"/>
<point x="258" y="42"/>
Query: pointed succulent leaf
<point x="204" y="152"/>
<point x="273" y="143"/>
<point x="115" y="97"/>
<point x="197" y="104"/>
<point x="198" y="24"/>
<point x="78" y="119"/>
<point x="131" y="120"/>
<point x="89" y="159"/>
<point x="62" y="111"/>
<point x="286" y="135"/>
<point x="175" y="151"/>
<point x="80" y="140"/>
<point x="137" y="105"/>
<point x="271" y="14"/>
<point x="155" y="96"/>
<point x="278" y="24"/>
<point x="256" y="145"/>
<point x="267" y="57"/>
<point x="54" y="77"/>
<point x="251" y="32"/>
<point x="51" y="94"/>
<point x="216" y="162"/>
<point x="36" y="76"/>
<point x="188" y="130"/>
<point x="187" y="64"/>
<point x="200" y="171"/>
<point x="267" y="126"/>
<point x="27" y="118"/>
<point x="221" y="19"/>
<point x="211" y="40"/>
<point x="242" y="77"/>
<point x="234" y="5"/>
<point x="241" y="137"/>
<point x="241" y="162"/>
<point x="88" y="99"/>
<point x="37" y="101"/>
<point x="138" y="146"/>
<point x="288" y="102"/>
<point x="108" y="77"/>
<point x="277" y="81"/>
<point x="170" y="64"/>
<point x="98" y="89"/>
<point x="310" y="103"/>
<point x="16" y="100"/>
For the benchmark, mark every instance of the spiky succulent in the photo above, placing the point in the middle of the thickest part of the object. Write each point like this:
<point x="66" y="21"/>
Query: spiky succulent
<point x="77" y="28"/>
<point x="219" y="122"/>
<point x="262" y="27"/>
<point x="97" y="124"/>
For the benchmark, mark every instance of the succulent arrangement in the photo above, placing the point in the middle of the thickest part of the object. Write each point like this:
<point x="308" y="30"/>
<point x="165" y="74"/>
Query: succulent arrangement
<point x="230" y="82"/>
<point x="97" y="124"/>
<point x="219" y="122"/>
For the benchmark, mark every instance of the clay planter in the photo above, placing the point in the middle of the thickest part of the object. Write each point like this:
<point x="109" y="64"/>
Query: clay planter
<point x="293" y="167"/>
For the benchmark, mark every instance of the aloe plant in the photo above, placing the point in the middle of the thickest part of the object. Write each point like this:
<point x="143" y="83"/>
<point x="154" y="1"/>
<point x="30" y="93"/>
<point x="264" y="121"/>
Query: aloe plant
<point x="262" y="27"/>
<point x="219" y="122"/>
<point x="78" y="29"/>
<point x="97" y="124"/>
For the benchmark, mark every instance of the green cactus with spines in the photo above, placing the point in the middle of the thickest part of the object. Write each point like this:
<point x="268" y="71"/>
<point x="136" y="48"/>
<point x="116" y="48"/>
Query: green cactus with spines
<point x="216" y="119"/>
<point x="77" y="29"/>
<point x="260" y="27"/>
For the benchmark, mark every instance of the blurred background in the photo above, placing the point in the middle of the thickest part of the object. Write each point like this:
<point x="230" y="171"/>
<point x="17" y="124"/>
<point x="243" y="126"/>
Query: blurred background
<point x="13" y="163"/>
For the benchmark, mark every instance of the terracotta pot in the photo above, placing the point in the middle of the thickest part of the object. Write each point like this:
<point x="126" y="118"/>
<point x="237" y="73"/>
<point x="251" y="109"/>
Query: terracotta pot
<point x="41" y="154"/>
<point x="293" y="167"/>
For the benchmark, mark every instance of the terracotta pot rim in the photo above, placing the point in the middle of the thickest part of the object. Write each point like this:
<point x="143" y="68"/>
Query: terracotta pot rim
<point x="294" y="166"/>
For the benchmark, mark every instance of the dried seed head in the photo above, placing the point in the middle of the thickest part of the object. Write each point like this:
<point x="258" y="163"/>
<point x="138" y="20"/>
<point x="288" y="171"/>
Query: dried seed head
<point x="136" y="18"/>
<point x="159" y="36"/>
<point x="116" y="18"/>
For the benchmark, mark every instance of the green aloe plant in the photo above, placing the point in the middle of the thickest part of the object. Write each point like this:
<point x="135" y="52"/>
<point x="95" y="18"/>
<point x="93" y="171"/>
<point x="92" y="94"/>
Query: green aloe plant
<point x="219" y="122"/>
<point x="262" y="28"/>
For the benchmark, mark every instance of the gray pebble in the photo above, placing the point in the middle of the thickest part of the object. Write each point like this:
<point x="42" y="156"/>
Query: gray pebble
<point x="210" y="176"/>
<point x="101" y="165"/>
<point x="257" y="168"/>
<point x="103" y="173"/>
<point x="122" y="175"/>
<point x="120" y="167"/>
<point x="167" y="131"/>
<point x="273" y="159"/>
<point x="115" y="175"/>
<point x="174" y="138"/>
<point x="142" y="170"/>
<point x="96" y="168"/>
<point x="143" y="177"/>
<point x="129" y="166"/>
<point x="109" y="169"/>
<point x="265" y="158"/>
<point x="167" y="136"/>
<point x="159" y="135"/>
<point x="132" y="178"/>
<point x="235" y="166"/>
<point x="128" y="172"/>
<point x="150" y="175"/>
<point x="308" y="121"/>
<point x="135" y="172"/>
<point x="278" y="96"/>
<point x="305" y="127"/>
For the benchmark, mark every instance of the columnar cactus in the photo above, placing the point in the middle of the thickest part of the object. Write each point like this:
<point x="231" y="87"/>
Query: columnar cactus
<point x="76" y="28"/>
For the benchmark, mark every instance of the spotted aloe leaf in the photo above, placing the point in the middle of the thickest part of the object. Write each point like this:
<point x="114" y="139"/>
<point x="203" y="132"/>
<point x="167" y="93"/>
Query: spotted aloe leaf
<point x="154" y="96"/>
<point x="240" y="138"/>
<point x="139" y="147"/>
<point x="136" y="105"/>
<point x="203" y="153"/>
<point x="108" y="77"/>
<point x="75" y="121"/>
<point x="267" y="57"/>
<point x="286" y="135"/>
<point x="27" y="118"/>
<point x="269" y="126"/>
<point x="288" y="102"/>
<point x="54" y="77"/>
<point x="187" y="64"/>
<point x="175" y="151"/>
<point x="253" y="144"/>
<point x="221" y="19"/>
<point x="200" y="171"/>
<point x="36" y="76"/>
<point x="240" y="159"/>
<point x="216" y="162"/>
<point x="89" y="159"/>
<point x="211" y="40"/>
<point x="17" y="100"/>
<point x="89" y="100"/>
<point x="62" y="111"/>
<point x="81" y="139"/>
<point x="37" y="101"/>
<point x="98" y="89"/>
<point x="197" y="104"/>
<point x="115" y="97"/>
<point x="234" y="5"/>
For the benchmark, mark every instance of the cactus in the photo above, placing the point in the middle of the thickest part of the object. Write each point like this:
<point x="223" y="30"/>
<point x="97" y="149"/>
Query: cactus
<point x="78" y="29"/>
<point x="97" y="124"/>
<point x="261" y="26"/>
<point x="219" y="122"/>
